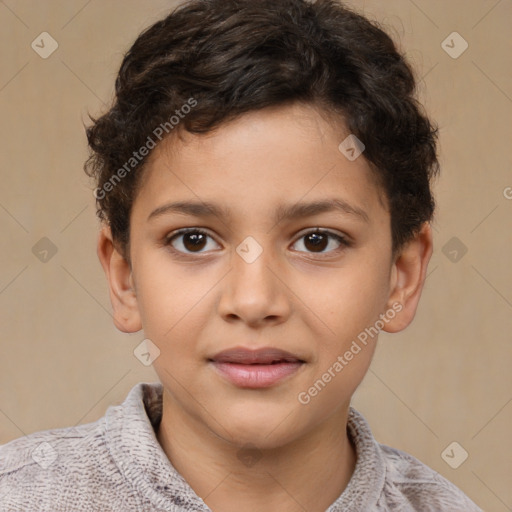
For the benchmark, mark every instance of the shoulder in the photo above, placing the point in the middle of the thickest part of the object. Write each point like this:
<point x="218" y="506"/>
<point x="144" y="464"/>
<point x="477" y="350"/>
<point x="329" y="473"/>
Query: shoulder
<point x="87" y="467"/>
<point x="424" y="488"/>
<point x="39" y="467"/>
<point x="386" y="478"/>
<point x="45" y="447"/>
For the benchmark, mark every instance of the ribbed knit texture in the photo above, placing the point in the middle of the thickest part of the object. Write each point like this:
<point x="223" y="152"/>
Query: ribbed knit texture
<point x="117" y="464"/>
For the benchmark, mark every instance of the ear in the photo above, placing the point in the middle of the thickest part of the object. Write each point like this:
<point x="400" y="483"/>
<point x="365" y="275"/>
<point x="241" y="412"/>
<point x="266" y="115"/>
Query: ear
<point x="408" y="275"/>
<point x="119" y="276"/>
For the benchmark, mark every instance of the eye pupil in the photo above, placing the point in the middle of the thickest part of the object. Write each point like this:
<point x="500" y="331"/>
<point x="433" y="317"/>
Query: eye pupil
<point x="194" y="241"/>
<point x="318" y="241"/>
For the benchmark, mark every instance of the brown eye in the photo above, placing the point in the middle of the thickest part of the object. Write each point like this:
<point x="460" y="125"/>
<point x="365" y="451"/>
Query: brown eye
<point x="189" y="241"/>
<point x="318" y="241"/>
<point x="194" y="241"/>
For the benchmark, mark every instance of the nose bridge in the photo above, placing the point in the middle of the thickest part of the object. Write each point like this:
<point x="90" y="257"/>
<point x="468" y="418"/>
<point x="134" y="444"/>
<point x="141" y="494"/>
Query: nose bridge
<point x="250" y="265"/>
<point x="253" y="291"/>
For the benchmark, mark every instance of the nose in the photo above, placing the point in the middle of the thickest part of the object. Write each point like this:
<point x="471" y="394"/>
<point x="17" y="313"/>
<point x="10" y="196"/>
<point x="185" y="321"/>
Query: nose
<point x="254" y="292"/>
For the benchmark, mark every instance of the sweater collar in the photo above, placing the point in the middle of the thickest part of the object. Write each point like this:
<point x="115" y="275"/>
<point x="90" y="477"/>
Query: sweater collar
<point x="134" y="447"/>
<point x="131" y="439"/>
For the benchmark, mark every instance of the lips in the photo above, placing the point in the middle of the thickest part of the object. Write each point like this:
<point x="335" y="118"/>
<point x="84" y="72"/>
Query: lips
<point x="262" y="368"/>
<point x="266" y="355"/>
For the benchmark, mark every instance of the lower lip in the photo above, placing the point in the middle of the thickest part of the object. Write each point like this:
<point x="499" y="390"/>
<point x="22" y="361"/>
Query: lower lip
<point x="256" y="375"/>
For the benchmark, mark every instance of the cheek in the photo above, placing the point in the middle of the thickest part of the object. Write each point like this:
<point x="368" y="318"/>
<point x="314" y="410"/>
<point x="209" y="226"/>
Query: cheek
<point x="348" y="307"/>
<point x="176" y="304"/>
<point x="167" y="295"/>
<point x="349" y="299"/>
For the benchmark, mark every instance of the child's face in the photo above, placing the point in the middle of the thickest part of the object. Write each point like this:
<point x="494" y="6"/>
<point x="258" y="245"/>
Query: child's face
<point x="311" y="303"/>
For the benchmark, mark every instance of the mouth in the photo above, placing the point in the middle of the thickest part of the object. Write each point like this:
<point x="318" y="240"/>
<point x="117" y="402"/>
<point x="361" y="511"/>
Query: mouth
<point x="260" y="368"/>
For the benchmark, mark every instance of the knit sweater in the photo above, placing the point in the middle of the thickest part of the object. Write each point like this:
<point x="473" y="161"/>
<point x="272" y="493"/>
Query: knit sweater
<point x="117" y="464"/>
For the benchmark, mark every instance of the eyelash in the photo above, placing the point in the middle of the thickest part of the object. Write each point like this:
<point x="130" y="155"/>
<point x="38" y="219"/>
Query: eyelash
<point x="343" y="241"/>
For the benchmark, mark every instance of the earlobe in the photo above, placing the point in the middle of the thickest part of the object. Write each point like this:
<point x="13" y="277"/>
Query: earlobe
<point x="408" y="277"/>
<point x="121" y="286"/>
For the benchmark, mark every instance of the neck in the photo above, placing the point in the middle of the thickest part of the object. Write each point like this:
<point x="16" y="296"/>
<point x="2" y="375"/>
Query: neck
<point x="285" y="478"/>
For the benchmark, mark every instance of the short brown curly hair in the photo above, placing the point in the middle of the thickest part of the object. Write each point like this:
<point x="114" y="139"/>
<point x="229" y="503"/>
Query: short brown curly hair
<point x="215" y="60"/>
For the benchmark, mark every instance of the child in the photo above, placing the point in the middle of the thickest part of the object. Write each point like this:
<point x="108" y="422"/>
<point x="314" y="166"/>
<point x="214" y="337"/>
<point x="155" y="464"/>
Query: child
<point x="263" y="178"/>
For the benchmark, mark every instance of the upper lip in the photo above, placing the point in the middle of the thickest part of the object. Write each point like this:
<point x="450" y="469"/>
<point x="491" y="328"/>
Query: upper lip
<point x="265" y="355"/>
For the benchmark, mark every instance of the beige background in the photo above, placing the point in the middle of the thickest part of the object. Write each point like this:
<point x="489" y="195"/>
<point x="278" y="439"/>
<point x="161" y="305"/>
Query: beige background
<point x="446" y="378"/>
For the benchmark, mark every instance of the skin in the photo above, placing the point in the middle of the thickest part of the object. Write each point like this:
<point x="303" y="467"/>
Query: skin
<point x="310" y="303"/>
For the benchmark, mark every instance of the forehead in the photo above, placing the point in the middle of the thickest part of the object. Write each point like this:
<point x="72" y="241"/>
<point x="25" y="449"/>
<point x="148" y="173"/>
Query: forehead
<point x="261" y="162"/>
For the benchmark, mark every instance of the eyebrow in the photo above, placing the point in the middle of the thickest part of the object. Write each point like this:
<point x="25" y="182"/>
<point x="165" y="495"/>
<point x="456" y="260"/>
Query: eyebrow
<point x="298" y="210"/>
